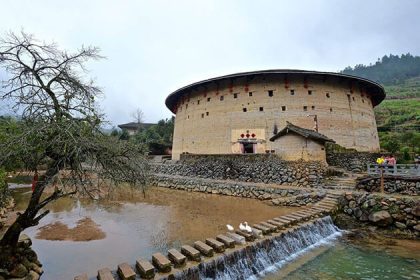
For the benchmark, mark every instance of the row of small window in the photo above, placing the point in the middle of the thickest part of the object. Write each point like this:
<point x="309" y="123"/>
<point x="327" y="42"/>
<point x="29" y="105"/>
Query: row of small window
<point x="261" y="109"/>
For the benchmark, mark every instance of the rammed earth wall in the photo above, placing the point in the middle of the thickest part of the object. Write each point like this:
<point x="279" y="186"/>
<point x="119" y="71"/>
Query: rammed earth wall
<point x="257" y="168"/>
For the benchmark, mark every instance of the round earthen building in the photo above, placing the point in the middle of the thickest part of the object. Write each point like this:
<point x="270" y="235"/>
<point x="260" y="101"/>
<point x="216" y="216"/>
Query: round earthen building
<point x="240" y="113"/>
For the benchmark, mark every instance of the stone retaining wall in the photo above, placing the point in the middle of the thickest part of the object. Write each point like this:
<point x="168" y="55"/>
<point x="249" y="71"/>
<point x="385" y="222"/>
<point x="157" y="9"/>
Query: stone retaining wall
<point x="398" y="213"/>
<point x="351" y="161"/>
<point x="225" y="188"/>
<point x="258" y="168"/>
<point x="392" y="184"/>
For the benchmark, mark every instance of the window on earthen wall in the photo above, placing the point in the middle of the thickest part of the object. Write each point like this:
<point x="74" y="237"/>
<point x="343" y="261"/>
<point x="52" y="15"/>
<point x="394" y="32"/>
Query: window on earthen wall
<point x="305" y="108"/>
<point x="208" y="99"/>
<point x="250" y="93"/>
<point x="283" y="108"/>
<point x="222" y="98"/>
<point x="292" y="92"/>
<point x="244" y="109"/>
<point x="270" y="93"/>
<point x="327" y="95"/>
<point x="235" y="95"/>
<point x="309" y="92"/>
<point x="261" y="109"/>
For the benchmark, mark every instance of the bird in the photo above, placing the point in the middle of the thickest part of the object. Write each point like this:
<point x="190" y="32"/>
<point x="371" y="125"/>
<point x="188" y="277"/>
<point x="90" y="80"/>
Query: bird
<point x="247" y="228"/>
<point x="230" y="228"/>
<point x="242" y="227"/>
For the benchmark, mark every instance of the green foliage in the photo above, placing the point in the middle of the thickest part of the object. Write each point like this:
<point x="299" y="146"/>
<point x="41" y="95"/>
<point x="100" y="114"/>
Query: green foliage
<point x="157" y="137"/>
<point x="389" y="70"/>
<point x="4" y="191"/>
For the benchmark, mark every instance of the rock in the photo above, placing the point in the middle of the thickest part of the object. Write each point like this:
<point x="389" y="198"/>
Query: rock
<point x="417" y="227"/>
<point x="33" y="275"/>
<point x="400" y="225"/>
<point x="352" y="204"/>
<point x="24" y="240"/>
<point x="381" y="218"/>
<point x="19" y="271"/>
<point x="416" y="210"/>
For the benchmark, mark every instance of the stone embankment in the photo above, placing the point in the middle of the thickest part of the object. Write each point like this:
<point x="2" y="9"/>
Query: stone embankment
<point x="191" y="260"/>
<point x="392" y="184"/>
<point x="396" y="213"/>
<point x="351" y="160"/>
<point x="9" y="205"/>
<point x="27" y="267"/>
<point x="261" y="168"/>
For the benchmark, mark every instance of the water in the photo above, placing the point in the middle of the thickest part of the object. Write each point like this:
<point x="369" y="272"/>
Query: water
<point x="130" y="226"/>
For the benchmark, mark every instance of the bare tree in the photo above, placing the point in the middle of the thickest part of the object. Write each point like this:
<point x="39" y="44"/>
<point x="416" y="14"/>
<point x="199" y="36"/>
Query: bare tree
<point x="59" y="127"/>
<point x="138" y="116"/>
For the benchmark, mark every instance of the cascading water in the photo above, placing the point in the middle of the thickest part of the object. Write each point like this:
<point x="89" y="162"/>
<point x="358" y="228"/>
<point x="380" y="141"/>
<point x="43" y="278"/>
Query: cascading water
<point x="265" y="255"/>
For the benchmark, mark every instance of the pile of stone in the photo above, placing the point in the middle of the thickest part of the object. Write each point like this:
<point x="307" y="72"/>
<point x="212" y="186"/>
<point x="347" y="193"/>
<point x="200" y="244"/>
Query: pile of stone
<point x="25" y="265"/>
<point x="264" y="168"/>
<point x="392" y="184"/>
<point x="299" y="200"/>
<point x="399" y="213"/>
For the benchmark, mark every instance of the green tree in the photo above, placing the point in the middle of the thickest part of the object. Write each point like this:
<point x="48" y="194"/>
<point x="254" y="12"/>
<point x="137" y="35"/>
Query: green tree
<point x="60" y="128"/>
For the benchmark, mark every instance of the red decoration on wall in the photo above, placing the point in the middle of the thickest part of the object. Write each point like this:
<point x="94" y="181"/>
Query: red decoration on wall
<point x="246" y="87"/>
<point x="305" y="82"/>
<point x="286" y="83"/>
<point x="253" y="135"/>
<point x="247" y="135"/>
<point x="242" y="135"/>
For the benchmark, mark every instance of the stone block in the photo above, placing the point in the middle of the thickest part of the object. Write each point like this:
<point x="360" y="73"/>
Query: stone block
<point x="78" y="277"/>
<point x="176" y="258"/>
<point x="218" y="246"/>
<point x="126" y="272"/>
<point x="283" y="221"/>
<point x="277" y="224"/>
<point x="248" y="236"/>
<point x="204" y="249"/>
<point x="272" y="228"/>
<point x="145" y="268"/>
<point x="229" y="242"/>
<point x="265" y="230"/>
<point x="191" y="253"/>
<point x="161" y="262"/>
<point x="238" y="239"/>
<point x="105" y="274"/>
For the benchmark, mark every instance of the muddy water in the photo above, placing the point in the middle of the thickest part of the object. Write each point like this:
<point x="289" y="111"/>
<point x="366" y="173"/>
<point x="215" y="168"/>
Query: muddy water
<point x="129" y="226"/>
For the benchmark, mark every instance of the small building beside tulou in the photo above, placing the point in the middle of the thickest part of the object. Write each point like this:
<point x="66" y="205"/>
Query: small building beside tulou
<point x="299" y="111"/>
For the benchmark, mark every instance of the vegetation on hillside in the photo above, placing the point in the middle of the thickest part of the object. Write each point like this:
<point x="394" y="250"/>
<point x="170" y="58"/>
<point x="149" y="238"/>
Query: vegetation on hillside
<point x="389" y="70"/>
<point x="397" y="117"/>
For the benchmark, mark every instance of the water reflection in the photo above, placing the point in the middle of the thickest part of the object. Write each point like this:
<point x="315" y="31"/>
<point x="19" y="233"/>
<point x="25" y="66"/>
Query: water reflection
<point x="134" y="226"/>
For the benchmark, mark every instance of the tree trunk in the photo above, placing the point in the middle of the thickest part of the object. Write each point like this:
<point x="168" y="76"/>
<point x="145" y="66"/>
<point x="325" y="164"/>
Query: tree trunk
<point x="29" y="218"/>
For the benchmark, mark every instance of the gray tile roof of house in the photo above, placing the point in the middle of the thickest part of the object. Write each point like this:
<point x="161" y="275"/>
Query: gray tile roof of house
<point x="307" y="133"/>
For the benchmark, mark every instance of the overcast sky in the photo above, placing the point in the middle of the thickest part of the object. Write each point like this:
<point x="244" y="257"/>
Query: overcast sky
<point x="155" y="47"/>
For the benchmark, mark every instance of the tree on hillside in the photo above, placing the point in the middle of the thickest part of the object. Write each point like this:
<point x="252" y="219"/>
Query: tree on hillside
<point x="59" y="128"/>
<point x="157" y="137"/>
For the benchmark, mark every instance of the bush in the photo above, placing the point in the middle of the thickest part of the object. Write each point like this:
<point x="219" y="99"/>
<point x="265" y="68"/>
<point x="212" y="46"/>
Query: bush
<point x="4" y="190"/>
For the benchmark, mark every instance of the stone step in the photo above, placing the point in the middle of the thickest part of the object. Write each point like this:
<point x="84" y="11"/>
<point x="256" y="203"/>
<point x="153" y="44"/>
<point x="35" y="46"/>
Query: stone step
<point x="273" y="228"/>
<point x="191" y="253"/>
<point x="81" y="277"/>
<point x="248" y="236"/>
<point x="145" y="268"/>
<point x="238" y="238"/>
<point x="105" y="274"/>
<point x="161" y="262"/>
<point x="176" y="258"/>
<point x="277" y="224"/>
<point x="296" y="218"/>
<point x="218" y="246"/>
<point x="257" y="233"/>
<point x="283" y="221"/>
<point x="229" y="242"/>
<point x="265" y="230"/>
<point x="304" y="216"/>
<point x="204" y="249"/>
<point x="288" y="218"/>
<point x="126" y="272"/>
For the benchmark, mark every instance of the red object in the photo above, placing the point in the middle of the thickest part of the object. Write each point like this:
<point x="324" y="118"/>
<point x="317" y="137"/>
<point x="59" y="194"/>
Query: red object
<point x="305" y="82"/>
<point x="286" y="83"/>
<point x="34" y="181"/>
<point x="253" y="135"/>
<point x="247" y="135"/>
<point x="242" y="135"/>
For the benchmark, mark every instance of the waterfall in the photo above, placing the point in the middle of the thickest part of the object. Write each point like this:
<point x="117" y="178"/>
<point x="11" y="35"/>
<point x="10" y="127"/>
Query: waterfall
<point x="265" y="255"/>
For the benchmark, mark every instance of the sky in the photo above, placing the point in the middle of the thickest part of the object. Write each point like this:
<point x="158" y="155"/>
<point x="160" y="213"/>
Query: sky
<point x="154" y="47"/>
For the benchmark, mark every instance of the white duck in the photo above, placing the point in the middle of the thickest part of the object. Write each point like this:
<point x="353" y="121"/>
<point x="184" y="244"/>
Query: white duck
<point x="230" y="228"/>
<point x="242" y="227"/>
<point x="247" y="227"/>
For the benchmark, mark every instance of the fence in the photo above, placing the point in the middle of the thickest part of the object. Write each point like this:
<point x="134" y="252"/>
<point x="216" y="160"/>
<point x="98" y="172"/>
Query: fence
<point x="397" y="169"/>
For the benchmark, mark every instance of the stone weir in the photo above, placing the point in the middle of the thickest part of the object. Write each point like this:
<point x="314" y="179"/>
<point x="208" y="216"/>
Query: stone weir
<point x="237" y="255"/>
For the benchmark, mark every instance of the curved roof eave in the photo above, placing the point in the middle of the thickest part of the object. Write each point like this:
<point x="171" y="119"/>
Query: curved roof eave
<point x="377" y="95"/>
